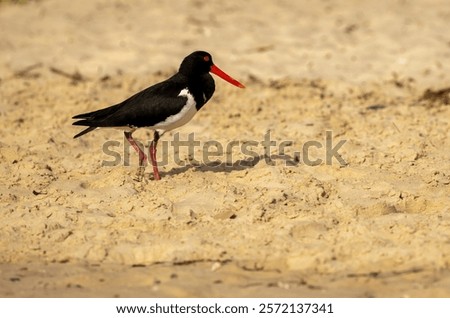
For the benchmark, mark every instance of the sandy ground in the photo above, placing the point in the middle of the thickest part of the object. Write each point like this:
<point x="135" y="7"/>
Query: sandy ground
<point x="373" y="73"/>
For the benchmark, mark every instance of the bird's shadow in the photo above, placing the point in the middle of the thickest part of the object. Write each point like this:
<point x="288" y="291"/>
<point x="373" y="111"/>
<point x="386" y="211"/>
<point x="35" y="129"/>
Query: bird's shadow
<point x="227" y="167"/>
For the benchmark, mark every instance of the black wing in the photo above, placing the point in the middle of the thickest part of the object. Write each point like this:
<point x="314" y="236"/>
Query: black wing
<point x="144" y="109"/>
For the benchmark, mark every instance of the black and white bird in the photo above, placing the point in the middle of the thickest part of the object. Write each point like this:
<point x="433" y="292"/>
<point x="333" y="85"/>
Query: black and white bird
<point x="161" y="107"/>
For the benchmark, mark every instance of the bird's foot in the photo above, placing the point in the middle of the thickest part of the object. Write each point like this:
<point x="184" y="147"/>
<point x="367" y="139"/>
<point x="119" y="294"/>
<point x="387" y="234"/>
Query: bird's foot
<point x="140" y="174"/>
<point x="156" y="175"/>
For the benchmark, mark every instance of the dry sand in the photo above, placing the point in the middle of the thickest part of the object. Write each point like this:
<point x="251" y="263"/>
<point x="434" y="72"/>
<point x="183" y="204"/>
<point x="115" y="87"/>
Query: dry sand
<point x="375" y="73"/>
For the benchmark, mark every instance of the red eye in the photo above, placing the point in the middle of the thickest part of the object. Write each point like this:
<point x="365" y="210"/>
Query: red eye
<point x="206" y="58"/>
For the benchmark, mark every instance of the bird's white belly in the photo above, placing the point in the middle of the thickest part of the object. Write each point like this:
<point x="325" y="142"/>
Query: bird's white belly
<point x="185" y="115"/>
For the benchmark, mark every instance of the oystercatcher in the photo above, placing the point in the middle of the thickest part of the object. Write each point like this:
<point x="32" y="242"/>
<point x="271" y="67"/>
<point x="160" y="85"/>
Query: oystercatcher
<point x="161" y="107"/>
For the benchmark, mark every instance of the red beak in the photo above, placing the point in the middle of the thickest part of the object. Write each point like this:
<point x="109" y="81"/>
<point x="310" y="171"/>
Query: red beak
<point x="225" y="76"/>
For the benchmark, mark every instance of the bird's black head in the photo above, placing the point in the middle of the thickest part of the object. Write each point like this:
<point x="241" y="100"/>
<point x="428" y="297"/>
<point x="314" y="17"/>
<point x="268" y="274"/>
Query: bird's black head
<point x="200" y="63"/>
<point x="197" y="63"/>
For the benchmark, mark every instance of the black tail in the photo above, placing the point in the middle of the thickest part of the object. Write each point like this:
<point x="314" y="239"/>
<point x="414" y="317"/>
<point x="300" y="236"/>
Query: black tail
<point x="89" y="129"/>
<point x="94" y="118"/>
<point x="98" y="114"/>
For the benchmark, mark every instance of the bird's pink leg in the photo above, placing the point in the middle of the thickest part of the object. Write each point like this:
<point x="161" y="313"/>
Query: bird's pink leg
<point x="152" y="153"/>
<point x="142" y="156"/>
